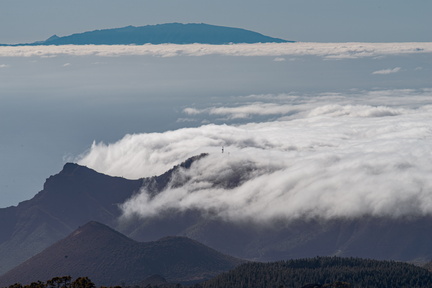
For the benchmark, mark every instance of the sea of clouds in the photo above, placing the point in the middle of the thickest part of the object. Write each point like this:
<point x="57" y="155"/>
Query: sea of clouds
<point x="328" y="155"/>
<point x="327" y="50"/>
<point x="348" y="154"/>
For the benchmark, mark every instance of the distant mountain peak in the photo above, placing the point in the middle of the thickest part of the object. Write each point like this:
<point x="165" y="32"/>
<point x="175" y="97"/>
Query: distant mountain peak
<point x="175" y="33"/>
<point x="52" y="38"/>
<point x="95" y="227"/>
<point x="69" y="167"/>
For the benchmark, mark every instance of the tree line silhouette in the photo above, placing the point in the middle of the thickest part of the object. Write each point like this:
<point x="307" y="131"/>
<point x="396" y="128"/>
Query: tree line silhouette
<point x="61" y="282"/>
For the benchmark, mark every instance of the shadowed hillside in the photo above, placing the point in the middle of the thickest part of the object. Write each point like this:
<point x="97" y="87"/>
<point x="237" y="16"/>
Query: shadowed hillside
<point x="78" y="194"/>
<point x="69" y="199"/>
<point x="109" y="258"/>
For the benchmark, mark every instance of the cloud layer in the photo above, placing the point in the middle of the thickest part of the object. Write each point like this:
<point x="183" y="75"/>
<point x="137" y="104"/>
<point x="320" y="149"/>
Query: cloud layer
<point x="327" y="50"/>
<point x="329" y="156"/>
<point x="387" y="71"/>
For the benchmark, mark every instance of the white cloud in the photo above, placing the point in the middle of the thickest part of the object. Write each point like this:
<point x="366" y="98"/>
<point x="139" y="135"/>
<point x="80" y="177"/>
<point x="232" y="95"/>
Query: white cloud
<point x="387" y="71"/>
<point x="327" y="50"/>
<point x="191" y="111"/>
<point x="183" y="120"/>
<point x="4" y="66"/>
<point x="245" y="111"/>
<point x="291" y="106"/>
<point x="331" y="159"/>
<point x="279" y="59"/>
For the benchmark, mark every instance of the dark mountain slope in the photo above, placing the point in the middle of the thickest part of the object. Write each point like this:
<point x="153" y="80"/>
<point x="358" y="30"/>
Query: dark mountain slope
<point x="369" y="237"/>
<point x="176" y="33"/>
<point x="69" y="199"/>
<point x="77" y="195"/>
<point x="74" y="196"/>
<point x="110" y="258"/>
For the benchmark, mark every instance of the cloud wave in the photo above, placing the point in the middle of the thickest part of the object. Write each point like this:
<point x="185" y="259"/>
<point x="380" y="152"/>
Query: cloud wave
<point x="331" y="160"/>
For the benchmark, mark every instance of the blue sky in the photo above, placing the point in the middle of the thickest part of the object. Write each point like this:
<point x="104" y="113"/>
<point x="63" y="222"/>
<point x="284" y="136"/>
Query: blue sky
<point x="301" y="20"/>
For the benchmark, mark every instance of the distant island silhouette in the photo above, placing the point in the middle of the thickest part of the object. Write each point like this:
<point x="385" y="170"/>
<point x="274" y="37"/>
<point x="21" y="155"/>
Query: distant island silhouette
<point x="174" y="33"/>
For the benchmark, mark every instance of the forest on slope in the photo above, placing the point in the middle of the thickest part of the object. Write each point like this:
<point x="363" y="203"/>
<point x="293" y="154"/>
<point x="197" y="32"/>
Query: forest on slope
<point x="351" y="272"/>
<point x="318" y="272"/>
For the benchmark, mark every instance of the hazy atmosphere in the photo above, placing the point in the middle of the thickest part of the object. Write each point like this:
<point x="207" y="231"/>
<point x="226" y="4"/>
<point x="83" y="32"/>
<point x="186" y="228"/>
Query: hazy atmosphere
<point x="283" y="109"/>
<point x="189" y="143"/>
<point x="275" y="106"/>
<point x="209" y="144"/>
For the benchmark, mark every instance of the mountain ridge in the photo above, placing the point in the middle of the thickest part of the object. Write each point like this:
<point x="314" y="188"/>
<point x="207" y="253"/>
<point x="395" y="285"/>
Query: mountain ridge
<point x="78" y="194"/>
<point x="70" y="198"/>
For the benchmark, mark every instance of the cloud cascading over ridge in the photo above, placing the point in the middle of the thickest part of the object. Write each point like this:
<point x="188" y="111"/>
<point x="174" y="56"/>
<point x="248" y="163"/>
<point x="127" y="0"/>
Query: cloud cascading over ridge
<point x="330" y="156"/>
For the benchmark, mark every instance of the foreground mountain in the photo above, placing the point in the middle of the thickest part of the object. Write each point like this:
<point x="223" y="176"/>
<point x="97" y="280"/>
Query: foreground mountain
<point x="69" y="199"/>
<point x="175" y="33"/>
<point x="324" y="272"/>
<point x="317" y="272"/>
<point x="78" y="194"/>
<point x="109" y="258"/>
